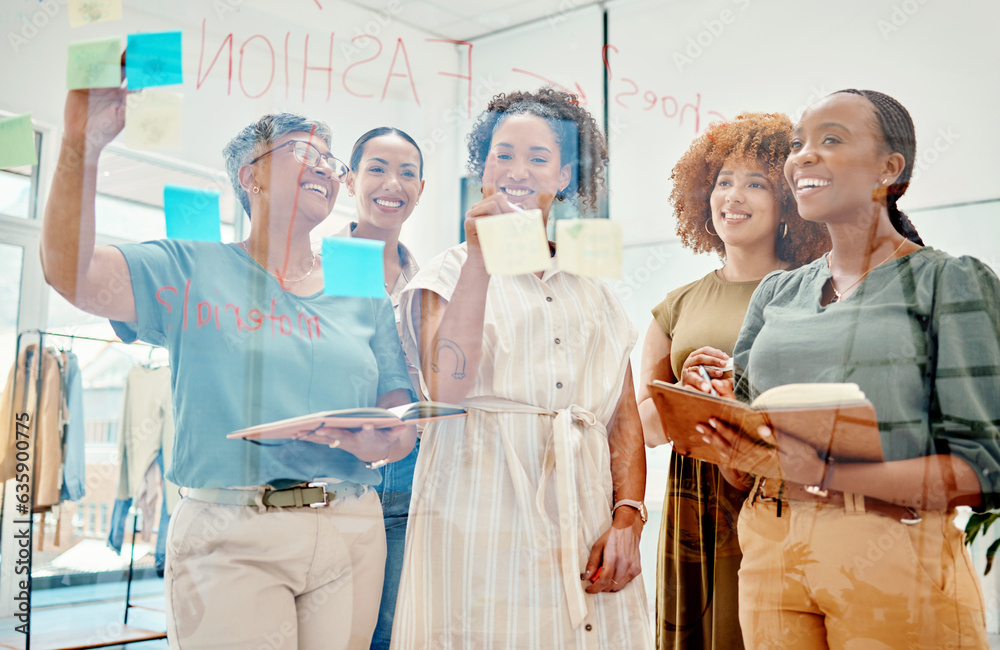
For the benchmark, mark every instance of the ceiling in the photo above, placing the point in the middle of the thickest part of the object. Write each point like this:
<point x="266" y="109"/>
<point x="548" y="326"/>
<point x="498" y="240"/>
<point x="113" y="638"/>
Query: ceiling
<point x="467" y="19"/>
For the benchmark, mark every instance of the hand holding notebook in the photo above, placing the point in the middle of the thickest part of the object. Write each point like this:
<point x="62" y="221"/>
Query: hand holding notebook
<point x="835" y="420"/>
<point x="301" y="427"/>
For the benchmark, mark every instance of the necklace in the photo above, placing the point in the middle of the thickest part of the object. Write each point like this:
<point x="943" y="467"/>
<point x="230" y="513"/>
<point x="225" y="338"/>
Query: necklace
<point x="829" y="264"/>
<point x="312" y="266"/>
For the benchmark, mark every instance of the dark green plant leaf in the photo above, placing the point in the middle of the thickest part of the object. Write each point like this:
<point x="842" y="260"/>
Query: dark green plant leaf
<point x="990" y="552"/>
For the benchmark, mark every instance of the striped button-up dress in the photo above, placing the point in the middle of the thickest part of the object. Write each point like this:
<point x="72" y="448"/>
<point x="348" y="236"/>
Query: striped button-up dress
<point x="508" y="502"/>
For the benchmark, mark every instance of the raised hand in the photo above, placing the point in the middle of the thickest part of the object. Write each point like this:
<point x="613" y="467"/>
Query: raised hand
<point x="94" y="116"/>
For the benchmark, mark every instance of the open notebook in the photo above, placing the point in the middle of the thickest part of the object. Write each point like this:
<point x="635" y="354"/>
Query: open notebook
<point x="836" y="419"/>
<point x="303" y="425"/>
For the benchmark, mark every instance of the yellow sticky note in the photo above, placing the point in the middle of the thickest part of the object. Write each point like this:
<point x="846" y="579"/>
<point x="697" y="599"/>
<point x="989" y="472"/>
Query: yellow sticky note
<point x="82" y="12"/>
<point x="589" y="247"/>
<point x="513" y="243"/>
<point x="153" y="120"/>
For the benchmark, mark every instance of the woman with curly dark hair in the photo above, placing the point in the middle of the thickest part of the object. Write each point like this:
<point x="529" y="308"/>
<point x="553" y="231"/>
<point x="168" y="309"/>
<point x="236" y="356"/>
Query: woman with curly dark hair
<point x="525" y="517"/>
<point x="729" y="197"/>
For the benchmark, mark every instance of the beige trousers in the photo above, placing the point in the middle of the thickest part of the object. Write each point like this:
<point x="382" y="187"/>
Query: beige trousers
<point x="286" y="578"/>
<point x="822" y="577"/>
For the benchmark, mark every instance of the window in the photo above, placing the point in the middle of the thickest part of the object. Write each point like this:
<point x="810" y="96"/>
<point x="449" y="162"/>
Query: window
<point x="130" y="195"/>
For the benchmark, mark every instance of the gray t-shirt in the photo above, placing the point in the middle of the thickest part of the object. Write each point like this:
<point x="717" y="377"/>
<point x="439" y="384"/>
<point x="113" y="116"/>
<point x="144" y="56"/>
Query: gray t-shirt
<point x="920" y="336"/>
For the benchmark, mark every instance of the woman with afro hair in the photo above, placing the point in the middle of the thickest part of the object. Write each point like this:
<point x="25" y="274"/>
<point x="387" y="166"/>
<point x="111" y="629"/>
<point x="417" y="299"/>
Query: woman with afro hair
<point x="730" y="198"/>
<point x="526" y="515"/>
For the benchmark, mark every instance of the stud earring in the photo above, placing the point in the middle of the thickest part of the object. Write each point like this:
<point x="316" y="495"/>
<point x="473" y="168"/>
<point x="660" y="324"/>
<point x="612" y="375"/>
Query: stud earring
<point x="256" y="190"/>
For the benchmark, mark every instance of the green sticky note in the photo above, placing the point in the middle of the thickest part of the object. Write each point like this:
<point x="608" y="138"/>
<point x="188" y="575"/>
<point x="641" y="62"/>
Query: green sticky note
<point x="94" y="64"/>
<point x="590" y="247"/>
<point x="353" y="267"/>
<point x="17" y="141"/>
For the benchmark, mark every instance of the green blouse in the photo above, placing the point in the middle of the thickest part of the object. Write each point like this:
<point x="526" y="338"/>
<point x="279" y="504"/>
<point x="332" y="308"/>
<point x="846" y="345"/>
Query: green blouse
<point x="920" y="336"/>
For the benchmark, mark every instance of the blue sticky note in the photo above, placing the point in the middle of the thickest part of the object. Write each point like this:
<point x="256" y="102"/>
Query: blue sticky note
<point x="353" y="267"/>
<point x="192" y="213"/>
<point x="153" y="60"/>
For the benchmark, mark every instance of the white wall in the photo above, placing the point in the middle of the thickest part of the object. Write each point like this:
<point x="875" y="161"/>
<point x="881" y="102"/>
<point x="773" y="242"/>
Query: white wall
<point x="352" y="99"/>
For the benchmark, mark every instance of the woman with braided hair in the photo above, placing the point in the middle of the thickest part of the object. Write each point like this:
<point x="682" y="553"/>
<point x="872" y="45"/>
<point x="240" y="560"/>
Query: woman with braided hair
<point x="850" y="554"/>
<point x="729" y="198"/>
<point x="525" y="517"/>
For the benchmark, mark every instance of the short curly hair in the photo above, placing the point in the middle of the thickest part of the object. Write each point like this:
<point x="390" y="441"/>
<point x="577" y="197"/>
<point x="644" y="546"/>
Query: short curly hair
<point x="580" y="139"/>
<point x="761" y="137"/>
<point x="257" y="137"/>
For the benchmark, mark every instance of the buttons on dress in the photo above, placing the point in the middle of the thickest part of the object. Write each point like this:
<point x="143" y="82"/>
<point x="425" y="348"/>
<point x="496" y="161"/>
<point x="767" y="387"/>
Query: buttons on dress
<point x="557" y="341"/>
<point x="548" y="298"/>
<point x="558" y="384"/>
<point x="589" y="627"/>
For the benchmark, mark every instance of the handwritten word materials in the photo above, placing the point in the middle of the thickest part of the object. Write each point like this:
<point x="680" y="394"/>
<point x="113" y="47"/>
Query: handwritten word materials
<point x="153" y="60"/>
<point x="195" y="314"/>
<point x="82" y="12"/>
<point x="353" y="267"/>
<point x="192" y="213"/>
<point x="590" y="247"/>
<point x="513" y="243"/>
<point x="17" y="141"/>
<point x="94" y="64"/>
<point x="153" y="120"/>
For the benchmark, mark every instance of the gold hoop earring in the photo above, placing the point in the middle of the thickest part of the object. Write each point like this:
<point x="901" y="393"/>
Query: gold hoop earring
<point x="255" y="190"/>
<point x="783" y="228"/>
<point x="714" y="234"/>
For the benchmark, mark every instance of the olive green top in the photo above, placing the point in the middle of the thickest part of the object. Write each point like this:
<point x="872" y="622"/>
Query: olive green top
<point x="920" y="336"/>
<point x="707" y="312"/>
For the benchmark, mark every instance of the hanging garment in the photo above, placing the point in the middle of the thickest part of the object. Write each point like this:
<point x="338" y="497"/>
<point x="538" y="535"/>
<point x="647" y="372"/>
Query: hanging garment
<point x="74" y="460"/>
<point x="147" y="430"/>
<point x="146" y="412"/>
<point x="45" y="419"/>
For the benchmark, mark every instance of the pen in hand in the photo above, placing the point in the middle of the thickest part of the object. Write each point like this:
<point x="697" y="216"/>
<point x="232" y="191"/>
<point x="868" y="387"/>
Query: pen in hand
<point x="708" y="380"/>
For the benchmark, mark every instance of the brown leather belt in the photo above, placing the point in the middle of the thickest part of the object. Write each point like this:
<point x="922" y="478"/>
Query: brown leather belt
<point x="779" y="491"/>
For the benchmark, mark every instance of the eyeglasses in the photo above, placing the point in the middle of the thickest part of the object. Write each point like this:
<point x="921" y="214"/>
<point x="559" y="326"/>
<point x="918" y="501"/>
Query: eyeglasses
<point x="309" y="155"/>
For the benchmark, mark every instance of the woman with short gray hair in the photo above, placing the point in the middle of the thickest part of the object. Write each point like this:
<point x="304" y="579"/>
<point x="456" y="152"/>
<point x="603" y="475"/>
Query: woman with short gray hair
<point x="279" y="544"/>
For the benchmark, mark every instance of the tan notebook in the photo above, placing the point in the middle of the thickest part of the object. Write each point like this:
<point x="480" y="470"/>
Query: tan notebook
<point x="303" y="425"/>
<point x="836" y="419"/>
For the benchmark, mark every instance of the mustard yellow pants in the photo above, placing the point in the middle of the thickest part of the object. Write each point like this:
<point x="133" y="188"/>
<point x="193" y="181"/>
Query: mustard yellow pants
<point x="820" y="576"/>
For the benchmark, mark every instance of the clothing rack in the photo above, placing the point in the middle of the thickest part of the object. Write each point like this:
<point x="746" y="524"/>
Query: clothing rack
<point x="120" y="635"/>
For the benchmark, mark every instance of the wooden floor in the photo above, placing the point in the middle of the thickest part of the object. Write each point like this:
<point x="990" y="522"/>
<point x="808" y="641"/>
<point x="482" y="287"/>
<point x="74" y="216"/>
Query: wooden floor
<point x="80" y="639"/>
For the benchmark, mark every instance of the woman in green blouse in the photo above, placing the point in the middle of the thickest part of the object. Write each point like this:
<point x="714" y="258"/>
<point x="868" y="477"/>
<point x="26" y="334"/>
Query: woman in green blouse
<point x="729" y="198"/>
<point x="848" y="554"/>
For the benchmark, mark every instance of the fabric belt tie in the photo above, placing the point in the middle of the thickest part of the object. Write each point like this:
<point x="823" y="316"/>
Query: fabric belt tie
<point x="576" y="456"/>
<point x="314" y="495"/>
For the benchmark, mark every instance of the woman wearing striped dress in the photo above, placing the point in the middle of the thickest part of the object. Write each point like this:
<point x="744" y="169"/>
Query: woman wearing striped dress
<point x="525" y="517"/>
